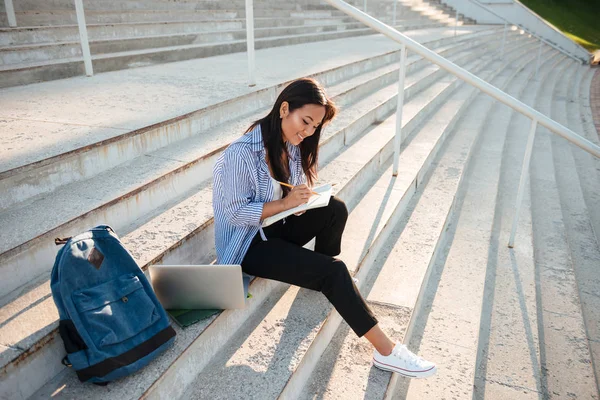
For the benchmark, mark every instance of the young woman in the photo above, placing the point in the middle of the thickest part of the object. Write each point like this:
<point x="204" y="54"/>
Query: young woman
<point x="283" y="147"/>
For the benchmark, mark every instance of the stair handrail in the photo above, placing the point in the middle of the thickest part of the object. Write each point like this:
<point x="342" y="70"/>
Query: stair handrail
<point x="489" y="89"/>
<point x="468" y="77"/>
<point x="9" y="9"/>
<point x="507" y="22"/>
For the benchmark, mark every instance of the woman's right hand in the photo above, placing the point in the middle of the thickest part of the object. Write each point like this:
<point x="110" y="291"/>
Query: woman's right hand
<point x="297" y="196"/>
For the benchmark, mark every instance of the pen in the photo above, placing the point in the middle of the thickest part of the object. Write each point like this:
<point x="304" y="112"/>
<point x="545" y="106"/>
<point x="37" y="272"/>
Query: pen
<point x="291" y="187"/>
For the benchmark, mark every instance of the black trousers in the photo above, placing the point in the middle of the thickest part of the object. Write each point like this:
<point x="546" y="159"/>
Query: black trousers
<point x="283" y="258"/>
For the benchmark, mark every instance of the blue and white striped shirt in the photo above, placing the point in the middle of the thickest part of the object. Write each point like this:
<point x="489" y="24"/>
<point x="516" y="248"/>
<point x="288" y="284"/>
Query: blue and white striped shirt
<point x="242" y="184"/>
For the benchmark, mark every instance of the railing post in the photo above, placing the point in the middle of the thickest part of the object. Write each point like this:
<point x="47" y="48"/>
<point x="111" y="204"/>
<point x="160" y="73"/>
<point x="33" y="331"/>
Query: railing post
<point x="398" y="138"/>
<point x="250" y="41"/>
<point x="504" y="40"/>
<point x="524" y="173"/>
<point x="539" y="55"/>
<point x="10" y="13"/>
<point x="83" y="36"/>
<point x="456" y="23"/>
<point x="365" y="6"/>
<point x="395" y="2"/>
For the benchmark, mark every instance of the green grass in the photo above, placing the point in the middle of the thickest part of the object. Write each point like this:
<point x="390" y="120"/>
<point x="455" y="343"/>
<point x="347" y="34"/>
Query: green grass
<point x="578" y="19"/>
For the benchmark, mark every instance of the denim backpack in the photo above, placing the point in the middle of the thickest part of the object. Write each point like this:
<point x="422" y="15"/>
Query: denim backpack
<point x="111" y="322"/>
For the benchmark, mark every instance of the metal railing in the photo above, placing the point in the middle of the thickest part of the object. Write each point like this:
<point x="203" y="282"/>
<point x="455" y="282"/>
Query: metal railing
<point x="83" y="36"/>
<point x="250" y="42"/>
<point x="517" y="105"/>
<point x="519" y="26"/>
<point x="10" y="13"/>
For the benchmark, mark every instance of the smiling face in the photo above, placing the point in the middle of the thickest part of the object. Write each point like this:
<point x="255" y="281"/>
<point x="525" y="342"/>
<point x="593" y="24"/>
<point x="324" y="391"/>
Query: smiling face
<point x="300" y="123"/>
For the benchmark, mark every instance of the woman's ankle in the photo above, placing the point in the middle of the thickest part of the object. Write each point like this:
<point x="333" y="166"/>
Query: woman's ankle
<point x="380" y="341"/>
<point x="385" y="350"/>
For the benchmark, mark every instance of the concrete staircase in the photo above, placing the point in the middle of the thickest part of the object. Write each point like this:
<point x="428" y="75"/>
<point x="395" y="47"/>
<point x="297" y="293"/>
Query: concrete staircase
<point x="137" y="33"/>
<point x="162" y="191"/>
<point x="428" y="247"/>
<point x="500" y="323"/>
<point x="518" y="323"/>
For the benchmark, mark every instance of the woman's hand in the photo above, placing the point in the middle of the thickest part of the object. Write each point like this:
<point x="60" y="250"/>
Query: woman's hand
<point x="297" y="196"/>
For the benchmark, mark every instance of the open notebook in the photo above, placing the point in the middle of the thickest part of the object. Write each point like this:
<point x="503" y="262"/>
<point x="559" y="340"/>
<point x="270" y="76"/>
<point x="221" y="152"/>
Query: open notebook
<point x="316" y="200"/>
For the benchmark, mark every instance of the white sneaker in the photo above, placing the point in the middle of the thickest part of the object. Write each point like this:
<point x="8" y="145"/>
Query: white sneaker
<point x="404" y="362"/>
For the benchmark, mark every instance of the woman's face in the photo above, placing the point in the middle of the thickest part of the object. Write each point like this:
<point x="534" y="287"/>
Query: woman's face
<point x="300" y="123"/>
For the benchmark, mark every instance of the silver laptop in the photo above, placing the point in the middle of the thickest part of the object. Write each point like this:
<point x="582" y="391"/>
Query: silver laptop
<point x="198" y="286"/>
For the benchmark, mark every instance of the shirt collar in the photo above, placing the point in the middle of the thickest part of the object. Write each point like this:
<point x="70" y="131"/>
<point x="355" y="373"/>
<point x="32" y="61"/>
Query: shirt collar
<point x="256" y="141"/>
<point x="293" y="151"/>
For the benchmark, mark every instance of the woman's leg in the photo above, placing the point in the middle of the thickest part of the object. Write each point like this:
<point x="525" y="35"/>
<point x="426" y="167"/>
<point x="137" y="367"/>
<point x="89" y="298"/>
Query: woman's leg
<point x="284" y="261"/>
<point x="287" y="262"/>
<point x="325" y="223"/>
<point x="382" y="343"/>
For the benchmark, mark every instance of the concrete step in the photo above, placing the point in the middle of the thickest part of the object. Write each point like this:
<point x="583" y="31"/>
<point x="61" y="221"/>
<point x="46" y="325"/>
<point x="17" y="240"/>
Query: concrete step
<point x="146" y="177"/>
<point x="68" y="17"/>
<point x="580" y="119"/>
<point x="576" y="176"/>
<point x="70" y="33"/>
<point x="399" y="273"/>
<point x="302" y="312"/>
<point x="19" y="74"/>
<point x="481" y="311"/>
<point x="480" y="308"/>
<point x="41" y="52"/>
<point x="54" y="13"/>
<point x="449" y="328"/>
<point x="15" y="180"/>
<point x="423" y="11"/>
<point x="482" y="322"/>
<point x="63" y="33"/>
<point x="189" y="243"/>
<point x="450" y="10"/>
<point x="100" y="5"/>
<point x="378" y="8"/>
<point x="564" y="352"/>
<point x="25" y="53"/>
<point x="50" y="118"/>
<point x="587" y="163"/>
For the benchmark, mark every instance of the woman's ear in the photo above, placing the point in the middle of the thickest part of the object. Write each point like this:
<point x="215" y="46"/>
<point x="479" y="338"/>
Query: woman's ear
<point x="284" y="109"/>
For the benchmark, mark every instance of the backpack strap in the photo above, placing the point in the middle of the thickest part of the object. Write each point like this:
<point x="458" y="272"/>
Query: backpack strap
<point x="61" y="241"/>
<point x="65" y="362"/>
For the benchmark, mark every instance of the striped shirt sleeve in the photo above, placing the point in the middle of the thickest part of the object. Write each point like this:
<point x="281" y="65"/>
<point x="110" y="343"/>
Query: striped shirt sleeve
<point x="238" y="207"/>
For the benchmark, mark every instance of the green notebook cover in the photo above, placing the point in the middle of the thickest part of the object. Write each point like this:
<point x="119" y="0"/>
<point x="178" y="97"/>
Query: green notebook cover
<point x="186" y="318"/>
<point x="189" y="317"/>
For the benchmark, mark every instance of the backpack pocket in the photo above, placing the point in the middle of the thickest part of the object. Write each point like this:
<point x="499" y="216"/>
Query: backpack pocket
<point x="116" y="310"/>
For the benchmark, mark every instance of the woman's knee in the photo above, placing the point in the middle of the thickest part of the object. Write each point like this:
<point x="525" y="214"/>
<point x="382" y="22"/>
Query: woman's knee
<point x="338" y="207"/>
<point x="338" y="266"/>
<point x="338" y="272"/>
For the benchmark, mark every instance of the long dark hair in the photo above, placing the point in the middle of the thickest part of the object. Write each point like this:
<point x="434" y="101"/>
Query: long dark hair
<point x="298" y="93"/>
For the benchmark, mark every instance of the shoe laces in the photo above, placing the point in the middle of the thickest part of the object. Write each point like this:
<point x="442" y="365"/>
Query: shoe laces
<point x="402" y="352"/>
